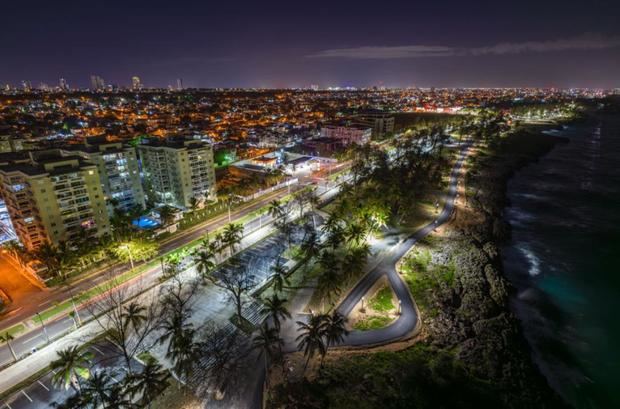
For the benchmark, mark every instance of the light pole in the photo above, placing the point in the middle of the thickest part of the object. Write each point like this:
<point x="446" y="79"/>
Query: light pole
<point x="43" y="326"/>
<point x="130" y="255"/>
<point x="400" y="307"/>
<point x="77" y="319"/>
<point x="362" y="310"/>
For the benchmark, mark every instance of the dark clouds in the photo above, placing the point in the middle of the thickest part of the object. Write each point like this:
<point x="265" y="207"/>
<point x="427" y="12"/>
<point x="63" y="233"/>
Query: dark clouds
<point x="267" y="43"/>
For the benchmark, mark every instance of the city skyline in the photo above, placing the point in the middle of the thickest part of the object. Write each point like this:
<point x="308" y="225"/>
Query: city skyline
<point x="556" y="44"/>
<point x="304" y="205"/>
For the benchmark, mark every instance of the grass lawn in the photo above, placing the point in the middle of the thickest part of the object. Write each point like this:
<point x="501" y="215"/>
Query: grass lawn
<point x="372" y="322"/>
<point x="423" y="277"/>
<point x="15" y="329"/>
<point x="382" y="301"/>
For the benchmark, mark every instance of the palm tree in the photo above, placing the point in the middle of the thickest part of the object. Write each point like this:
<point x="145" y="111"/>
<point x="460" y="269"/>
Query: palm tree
<point x="148" y="384"/>
<point x="7" y="338"/>
<point x="19" y="251"/>
<point x="354" y="261"/>
<point x="233" y="233"/>
<point x="182" y="350"/>
<point x="268" y="341"/>
<point x="355" y="233"/>
<point x="275" y="307"/>
<point x="72" y="364"/>
<point x="75" y="401"/>
<point x="279" y="277"/>
<point x="335" y="329"/>
<point x="184" y="353"/>
<point x="50" y="257"/>
<point x="133" y="315"/>
<point x="311" y="340"/>
<point x="310" y="246"/>
<point x="166" y="214"/>
<point x="205" y="259"/>
<point x="335" y="234"/>
<point x="100" y="390"/>
<point x="329" y="284"/>
<point x="276" y="210"/>
<point x="193" y="204"/>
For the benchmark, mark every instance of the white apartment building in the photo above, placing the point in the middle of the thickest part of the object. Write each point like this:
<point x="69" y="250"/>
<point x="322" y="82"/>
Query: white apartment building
<point x="119" y="172"/>
<point x="52" y="198"/>
<point x="177" y="169"/>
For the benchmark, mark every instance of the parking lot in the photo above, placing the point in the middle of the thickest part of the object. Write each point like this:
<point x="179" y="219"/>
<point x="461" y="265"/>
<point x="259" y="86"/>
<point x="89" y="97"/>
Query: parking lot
<point x="41" y="393"/>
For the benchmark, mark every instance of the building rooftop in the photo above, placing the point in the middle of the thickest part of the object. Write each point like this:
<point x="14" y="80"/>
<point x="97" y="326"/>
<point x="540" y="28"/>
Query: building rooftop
<point x="44" y="162"/>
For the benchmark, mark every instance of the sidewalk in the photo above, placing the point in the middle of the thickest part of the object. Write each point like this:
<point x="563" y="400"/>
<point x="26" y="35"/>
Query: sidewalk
<point x="37" y="362"/>
<point x="28" y="367"/>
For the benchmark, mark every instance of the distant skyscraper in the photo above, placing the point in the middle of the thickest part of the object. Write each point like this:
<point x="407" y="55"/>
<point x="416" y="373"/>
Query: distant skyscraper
<point x="136" y="85"/>
<point x="179" y="84"/>
<point x="26" y="86"/>
<point x="314" y="87"/>
<point x="96" y="83"/>
<point x="63" y="84"/>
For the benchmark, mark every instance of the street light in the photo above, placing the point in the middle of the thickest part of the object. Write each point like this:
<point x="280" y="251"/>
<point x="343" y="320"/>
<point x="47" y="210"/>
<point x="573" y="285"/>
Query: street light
<point x="362" y="310"/>
<point x="400" y="307"/>
<point x="126" y="246"/>
<point x="44" y="329"/>
<point x="75" y="310"/>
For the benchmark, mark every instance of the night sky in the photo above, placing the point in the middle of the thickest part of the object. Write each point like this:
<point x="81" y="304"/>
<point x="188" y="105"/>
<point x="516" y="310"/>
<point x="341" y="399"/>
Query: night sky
<point x="329" y="43"/>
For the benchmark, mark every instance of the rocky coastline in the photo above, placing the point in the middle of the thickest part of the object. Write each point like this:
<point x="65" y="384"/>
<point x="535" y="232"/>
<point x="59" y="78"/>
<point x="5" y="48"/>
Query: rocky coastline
<point x="472" y="316"/>
<point x="470" y="352"/>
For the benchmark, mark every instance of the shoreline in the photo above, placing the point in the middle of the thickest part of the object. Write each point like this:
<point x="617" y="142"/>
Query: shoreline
<point x="491" y="176"/>
<point x="468" y="327"/>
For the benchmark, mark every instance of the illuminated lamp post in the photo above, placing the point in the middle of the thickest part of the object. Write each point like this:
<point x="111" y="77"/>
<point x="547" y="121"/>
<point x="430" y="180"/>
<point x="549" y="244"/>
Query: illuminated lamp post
<point x="126" y="246"/>
<point x="44" y="328"/>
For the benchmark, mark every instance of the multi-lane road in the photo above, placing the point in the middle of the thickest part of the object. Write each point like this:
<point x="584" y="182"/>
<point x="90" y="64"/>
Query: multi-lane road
<point x="56" y="327"/>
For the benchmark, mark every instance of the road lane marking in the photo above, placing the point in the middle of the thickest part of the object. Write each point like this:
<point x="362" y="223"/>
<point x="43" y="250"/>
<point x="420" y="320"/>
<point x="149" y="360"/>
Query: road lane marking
<point x="97" y="349"/>
<point x="31" y="339"/>
<point x="8" y="406"/>
<point x="45" y="387"/>
<point x="26" y="395"/>
<point x="45" y="302"/>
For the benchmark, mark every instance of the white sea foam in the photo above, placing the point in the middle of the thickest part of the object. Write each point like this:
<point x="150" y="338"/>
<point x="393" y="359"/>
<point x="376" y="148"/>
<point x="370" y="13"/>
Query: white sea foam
<point x="533" y="260"/>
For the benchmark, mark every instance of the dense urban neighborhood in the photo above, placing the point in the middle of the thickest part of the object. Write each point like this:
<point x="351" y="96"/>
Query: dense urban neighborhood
<point x="248" y="248"/>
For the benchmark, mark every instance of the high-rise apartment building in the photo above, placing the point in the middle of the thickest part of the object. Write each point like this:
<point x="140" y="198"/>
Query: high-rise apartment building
<point x="62" y="84"/>
<point x="179" y="84"/>
<point x="96" y="83"/>
<point x="177" y="169"/>
<point x="52" y="198"/>
<point x="136" y="84"/>
<point x="118" y="169"/>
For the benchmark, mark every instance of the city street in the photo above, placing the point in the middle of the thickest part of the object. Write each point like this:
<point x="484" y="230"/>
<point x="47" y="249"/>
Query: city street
<point x="35" y="337"/>
<point x="38" y="338"/>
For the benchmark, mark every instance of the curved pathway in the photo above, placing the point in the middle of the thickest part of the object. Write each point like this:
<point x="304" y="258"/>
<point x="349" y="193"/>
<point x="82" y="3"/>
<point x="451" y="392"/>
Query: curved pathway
<point x="408" y="319"/>
<point x="401" y="328"/>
